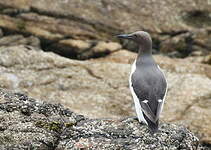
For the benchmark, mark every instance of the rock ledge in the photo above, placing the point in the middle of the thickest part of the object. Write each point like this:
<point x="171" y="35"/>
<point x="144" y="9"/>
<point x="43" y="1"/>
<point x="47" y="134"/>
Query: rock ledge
<point x="29" y="123"/>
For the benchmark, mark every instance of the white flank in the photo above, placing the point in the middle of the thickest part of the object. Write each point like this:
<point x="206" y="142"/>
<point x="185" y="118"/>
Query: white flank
<point x="166" y="88"/>
<point x="135" y="98"/>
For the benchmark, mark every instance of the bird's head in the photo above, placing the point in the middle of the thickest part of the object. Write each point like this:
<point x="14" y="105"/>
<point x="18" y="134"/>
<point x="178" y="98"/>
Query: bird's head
<point x="139" y="37"/>
<point x="142" y="38"/>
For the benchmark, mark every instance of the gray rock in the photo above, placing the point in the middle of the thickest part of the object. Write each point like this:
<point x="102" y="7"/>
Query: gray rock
<point x="27" y="123"/>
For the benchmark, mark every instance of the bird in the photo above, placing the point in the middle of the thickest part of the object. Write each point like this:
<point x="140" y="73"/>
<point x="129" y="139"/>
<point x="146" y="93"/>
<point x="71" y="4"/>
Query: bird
<point x="147" y="81"/>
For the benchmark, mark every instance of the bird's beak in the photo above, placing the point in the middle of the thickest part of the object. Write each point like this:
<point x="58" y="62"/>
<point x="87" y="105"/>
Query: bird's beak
<point x="125" y="36"/>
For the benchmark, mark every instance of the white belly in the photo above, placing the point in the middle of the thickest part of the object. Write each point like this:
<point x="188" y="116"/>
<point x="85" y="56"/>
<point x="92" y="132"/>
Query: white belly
<point x="135" y="98"/>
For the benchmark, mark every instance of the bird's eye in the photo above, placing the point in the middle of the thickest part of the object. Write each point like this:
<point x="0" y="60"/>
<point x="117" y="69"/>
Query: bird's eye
<point x="135" y="35"/>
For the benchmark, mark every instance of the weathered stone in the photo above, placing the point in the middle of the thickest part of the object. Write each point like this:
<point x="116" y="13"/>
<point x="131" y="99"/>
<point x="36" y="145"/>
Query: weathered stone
<point x="1" y="33"/>
<point x="30" y="124"/>
<point x="178" y="43"/>
<point x="121" y="13"/>
<point x="122" y="56"/>
<point x="53" y="21"/>
<point x="99" y="88"/>
<point x="197" y="53"/>
<point x="13" y="40"/>
<point x="78" y="45"/>
<point x="83" y="49"/>
<point x="106" y="47"/>
<point x="70" y="48"/>
<point x="203" y="38"/>
<point x="187" y="43"/>
<point x="207" y="59"/>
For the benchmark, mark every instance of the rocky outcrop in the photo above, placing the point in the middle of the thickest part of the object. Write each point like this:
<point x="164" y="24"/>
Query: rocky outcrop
<point x="27" y="123"/>
<point x="54" y="21"/>
<point x="80" y="49"/>
<point x="99" y="88"/>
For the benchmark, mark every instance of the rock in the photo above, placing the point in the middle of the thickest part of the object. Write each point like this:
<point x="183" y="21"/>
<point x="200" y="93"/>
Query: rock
<point x="203" y="38"/>
<point x="168" y="64"/>
<point x="197" y="53"/>
<point x="187" y="43"/>
<point x="70" y="48"/>
<point x="106" y="46"/>
<point x="195" y="59"/>
<point x="13" y="40"/>
<point x="121" y="56"/>
<point x="52" y="21"/>
<point x="100" y="49"/>
<point x="1" y="33"/>
<point x="27" y="123"/>
<point x="178" y="43"/>
<point x="78" y="45"/>
<point x="120" y="14"/>
<point x="207" y="59"/>
<point x="83" y="49"/>
<point x="99" y="88"/>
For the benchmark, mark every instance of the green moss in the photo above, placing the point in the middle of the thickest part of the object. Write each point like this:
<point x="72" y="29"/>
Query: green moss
<point x="53" y="126"/>
<point x="69" y="124"/>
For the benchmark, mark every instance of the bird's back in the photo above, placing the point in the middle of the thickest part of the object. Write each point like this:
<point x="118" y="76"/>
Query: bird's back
<point x="149" y="85"/>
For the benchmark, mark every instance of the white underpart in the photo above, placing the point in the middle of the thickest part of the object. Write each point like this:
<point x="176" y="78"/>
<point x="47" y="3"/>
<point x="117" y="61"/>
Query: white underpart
<point x="165" y="91"/>
<point x="135" y="98"/>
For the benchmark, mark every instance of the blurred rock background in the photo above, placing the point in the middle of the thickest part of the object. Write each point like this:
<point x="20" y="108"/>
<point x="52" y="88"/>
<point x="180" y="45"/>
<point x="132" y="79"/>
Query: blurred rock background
<point x="65" y="51"/>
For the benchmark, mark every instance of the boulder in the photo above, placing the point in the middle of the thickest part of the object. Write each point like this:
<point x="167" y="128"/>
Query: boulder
<point x="99" y="88"/>
<point x="27" y="123"/>
<point x="82" y="49"/>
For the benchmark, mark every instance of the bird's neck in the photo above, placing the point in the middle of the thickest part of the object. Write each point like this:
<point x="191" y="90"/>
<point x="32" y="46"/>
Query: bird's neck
<point x="145" y="54"/>
<point x="145" y="49"/>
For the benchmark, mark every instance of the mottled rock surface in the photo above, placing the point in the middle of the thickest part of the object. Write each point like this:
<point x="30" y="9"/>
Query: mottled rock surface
<point x="99" y="88"/>
<point x="15" y="40"/>
<point x="1" y="33"/>
<point x="27" y="123"/>
<point x="186" y="26"/>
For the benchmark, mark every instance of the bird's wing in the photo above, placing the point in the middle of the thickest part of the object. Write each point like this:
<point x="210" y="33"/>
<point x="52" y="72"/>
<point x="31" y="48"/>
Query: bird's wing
<point x="147" y="110"/>
<point x="150" y="88"/>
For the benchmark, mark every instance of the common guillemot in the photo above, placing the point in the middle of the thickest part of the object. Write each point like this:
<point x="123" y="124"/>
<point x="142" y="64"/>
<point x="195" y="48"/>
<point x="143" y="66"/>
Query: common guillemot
<point x="147" y="82"/>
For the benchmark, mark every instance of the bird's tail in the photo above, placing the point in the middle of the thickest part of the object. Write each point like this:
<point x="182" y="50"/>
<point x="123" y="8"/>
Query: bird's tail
<point x="153" y="127"/>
